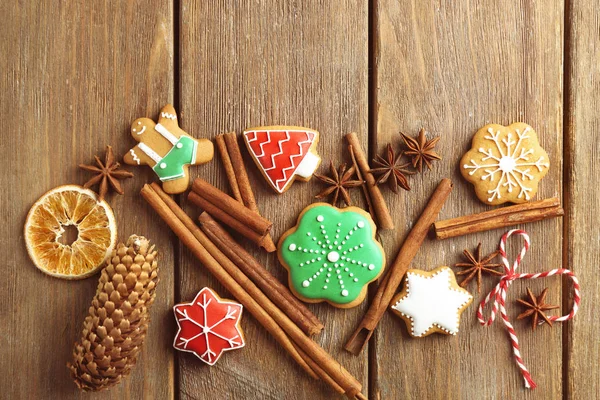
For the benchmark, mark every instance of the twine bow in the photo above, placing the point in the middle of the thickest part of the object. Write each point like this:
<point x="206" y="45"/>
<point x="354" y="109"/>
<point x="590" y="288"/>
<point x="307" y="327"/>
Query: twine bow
<point x="499" y="296"/>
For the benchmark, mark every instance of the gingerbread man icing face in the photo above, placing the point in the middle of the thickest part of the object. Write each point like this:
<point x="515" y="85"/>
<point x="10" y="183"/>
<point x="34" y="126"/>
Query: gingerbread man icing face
<point x="166" y="148"/>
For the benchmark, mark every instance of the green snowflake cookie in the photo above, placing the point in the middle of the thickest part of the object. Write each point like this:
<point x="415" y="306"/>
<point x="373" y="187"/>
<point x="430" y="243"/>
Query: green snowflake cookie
<point x="332" y="255"/>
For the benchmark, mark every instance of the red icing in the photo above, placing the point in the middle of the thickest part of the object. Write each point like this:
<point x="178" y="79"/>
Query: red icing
<point x="208" y="326"/>
<point x="274" y="147"/>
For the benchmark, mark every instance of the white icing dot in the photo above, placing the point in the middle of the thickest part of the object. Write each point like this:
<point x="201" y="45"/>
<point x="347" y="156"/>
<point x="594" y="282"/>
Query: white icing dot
<point x="305" y="283"/>
<point x="179" y="145"/>
<point x="333" y="256"/>
<point x="325" y="287"/>
<point x="139" y="122"/>
<point x="163" y="165"/>
<point x="360" y="224"/>
<point x="320" y="218"/>
<point x="308" y="233"/>
<point x="371" y="267"/>
<point x="292" y="247"/>
<point x="344" y="292"/>
<point x="355" y="279"/>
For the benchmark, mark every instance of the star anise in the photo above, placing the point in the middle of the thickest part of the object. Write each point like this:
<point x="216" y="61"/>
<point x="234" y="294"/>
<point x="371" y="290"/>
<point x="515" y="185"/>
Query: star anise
<point x="106" y="173"/>
<point x="421" y="150"/>
<point x="338" y="184"/>
<point x="536" y="308"/>
<point x="391" y="170"/>
<point x="476" y="266"/>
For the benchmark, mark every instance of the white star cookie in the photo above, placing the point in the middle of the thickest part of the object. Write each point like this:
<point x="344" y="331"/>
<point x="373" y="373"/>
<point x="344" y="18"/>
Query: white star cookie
<point x="431" y="302"/>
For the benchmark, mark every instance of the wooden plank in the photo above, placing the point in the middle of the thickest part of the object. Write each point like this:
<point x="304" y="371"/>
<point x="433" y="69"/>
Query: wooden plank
<point x="452" y="68"/>
<point x="75" y="74"/>
<point x="582" y="199"/>
<point x="269" y="63"/>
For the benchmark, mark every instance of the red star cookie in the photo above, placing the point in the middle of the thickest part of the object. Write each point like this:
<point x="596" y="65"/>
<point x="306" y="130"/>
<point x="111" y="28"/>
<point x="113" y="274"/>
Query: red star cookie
<point x="208" y="326"/>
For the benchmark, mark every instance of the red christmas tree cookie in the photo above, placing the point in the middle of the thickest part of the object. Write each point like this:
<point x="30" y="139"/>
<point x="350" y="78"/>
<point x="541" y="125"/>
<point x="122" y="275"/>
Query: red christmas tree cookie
<point x="208" y="326"/>
<point x="283" y="153"/>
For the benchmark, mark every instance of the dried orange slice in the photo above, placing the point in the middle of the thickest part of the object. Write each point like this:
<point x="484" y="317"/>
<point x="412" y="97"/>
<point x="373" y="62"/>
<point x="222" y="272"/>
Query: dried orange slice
<point x="76" y="208"/>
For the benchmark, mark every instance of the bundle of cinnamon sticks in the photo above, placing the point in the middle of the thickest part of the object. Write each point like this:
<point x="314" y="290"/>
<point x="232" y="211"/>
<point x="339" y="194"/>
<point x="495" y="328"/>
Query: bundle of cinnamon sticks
<point x="231" y="158"/>
<point x="285" y="318"/>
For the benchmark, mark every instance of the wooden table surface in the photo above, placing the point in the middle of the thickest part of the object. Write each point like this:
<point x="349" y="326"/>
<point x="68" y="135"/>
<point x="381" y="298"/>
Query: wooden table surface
<point x="75" y="74"/>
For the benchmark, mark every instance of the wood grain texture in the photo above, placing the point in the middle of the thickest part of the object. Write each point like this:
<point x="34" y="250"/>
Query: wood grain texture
<point x="247" y="64"/>
<point x="75" y="74"/>
<point x="452" y="68"/>
<point x="582" y="200"/>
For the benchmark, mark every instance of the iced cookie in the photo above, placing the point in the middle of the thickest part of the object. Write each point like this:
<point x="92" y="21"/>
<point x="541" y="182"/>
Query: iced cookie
<point x="283" y="153"/>
<point x="208" y="326"/>
<point x="431" y="302"/>
<point x="331" y="255"/>
<point x="169" y="150"/>
<point x="505" y="163"/>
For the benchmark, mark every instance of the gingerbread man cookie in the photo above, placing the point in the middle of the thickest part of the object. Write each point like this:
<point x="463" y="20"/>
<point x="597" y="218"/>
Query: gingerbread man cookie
<point x="505" y="163"/>
<point x="431" y="302"/>
<point x="283" y="153"/>
<point x="169" y="150"/>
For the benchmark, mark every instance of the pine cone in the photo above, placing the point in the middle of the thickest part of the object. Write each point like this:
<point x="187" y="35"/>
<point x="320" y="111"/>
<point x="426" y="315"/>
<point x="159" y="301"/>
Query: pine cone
<point x="114" y="330"/>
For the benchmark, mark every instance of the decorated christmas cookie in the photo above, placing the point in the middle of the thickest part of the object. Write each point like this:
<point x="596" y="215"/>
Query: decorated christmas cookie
<point x="431" y="302"/>
<point x="331" y="255"/>
<point x="166" y="148"/>
<point x="283" y="153"/>
<point x="208" y="326"/>
<point x="505" y="163"/>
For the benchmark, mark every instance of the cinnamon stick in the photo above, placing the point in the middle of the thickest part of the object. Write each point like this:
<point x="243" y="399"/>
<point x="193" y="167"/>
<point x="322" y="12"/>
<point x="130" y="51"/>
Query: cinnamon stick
<point x="382" y="214"/>
<point x="188" y="233"/>
<point x="277" y="292"/>
<point x="247" y="293"/>
<point x="229" y="211"/>
<point x="396" y="272"/>
<point x="364" y="184"/>
<point x="229" y="169"/>
<point x="499" y="218"/>
<point x="238" y="178"/>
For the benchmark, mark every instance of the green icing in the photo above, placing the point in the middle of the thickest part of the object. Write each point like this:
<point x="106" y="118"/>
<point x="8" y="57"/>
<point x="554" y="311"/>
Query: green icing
<point x="332" y="254"/>
<point x="182" y="153"/>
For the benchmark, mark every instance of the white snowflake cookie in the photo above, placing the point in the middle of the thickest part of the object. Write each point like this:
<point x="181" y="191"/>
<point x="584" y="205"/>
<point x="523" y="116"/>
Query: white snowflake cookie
<point x="505" y="163"/>
<point x="431" y="302"/>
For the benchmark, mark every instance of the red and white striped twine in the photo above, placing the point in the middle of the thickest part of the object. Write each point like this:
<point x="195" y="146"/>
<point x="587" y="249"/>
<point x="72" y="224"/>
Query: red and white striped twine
<point x="499" y="296"/>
